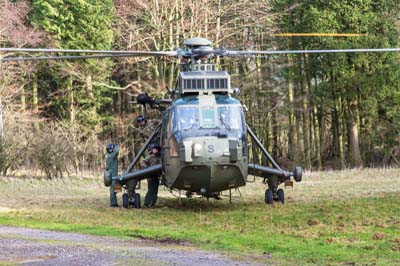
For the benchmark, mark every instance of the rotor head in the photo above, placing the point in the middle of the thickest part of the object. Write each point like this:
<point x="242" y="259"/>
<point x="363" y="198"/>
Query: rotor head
<point x="197" y="42"/>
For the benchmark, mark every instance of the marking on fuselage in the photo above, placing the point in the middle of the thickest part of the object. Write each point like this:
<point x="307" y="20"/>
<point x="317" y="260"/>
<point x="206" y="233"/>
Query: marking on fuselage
<point x="210" y="148"/>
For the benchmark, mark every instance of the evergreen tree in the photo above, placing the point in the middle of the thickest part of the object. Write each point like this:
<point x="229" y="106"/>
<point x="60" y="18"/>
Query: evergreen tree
<point x="79" y="24"/>
<point x="351" y="86"/>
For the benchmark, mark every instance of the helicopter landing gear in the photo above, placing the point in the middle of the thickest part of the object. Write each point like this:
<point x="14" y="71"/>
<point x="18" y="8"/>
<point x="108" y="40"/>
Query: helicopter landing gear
<point x="125" y="201"/>
<point x="273" y="193"/>
<point x="131" y="200"/>
<point x="269" y="196"/>
<point x="136" y="201"/>
<point x="281" y="195"/>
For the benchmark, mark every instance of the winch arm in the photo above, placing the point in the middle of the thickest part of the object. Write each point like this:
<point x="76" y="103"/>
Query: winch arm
<point x="153" y="170"/>
<point x="265" y="171"/>
<point x="276" y="170"/>
<point x="143" y="149"/>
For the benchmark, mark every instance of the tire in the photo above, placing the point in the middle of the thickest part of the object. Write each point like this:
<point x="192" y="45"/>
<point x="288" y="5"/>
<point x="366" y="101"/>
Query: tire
<point x="125" y="201"/>
<point x="136" y="201"/>
<point x="298" y="174"/>
<point x="281" y="195"/>
<point x="269" y="196"/>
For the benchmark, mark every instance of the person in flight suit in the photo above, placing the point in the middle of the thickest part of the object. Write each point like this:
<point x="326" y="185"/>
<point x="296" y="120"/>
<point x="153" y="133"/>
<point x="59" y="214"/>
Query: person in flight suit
<point x="152" y="182"/>
<point x="112" y="167"/>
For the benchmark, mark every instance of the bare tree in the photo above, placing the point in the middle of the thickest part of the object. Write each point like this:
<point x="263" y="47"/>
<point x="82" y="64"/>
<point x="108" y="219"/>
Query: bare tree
<point x="1" y="119"/>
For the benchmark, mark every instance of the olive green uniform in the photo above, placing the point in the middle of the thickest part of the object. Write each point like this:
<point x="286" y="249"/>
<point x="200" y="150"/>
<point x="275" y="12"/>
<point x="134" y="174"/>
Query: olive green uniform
<point x="145" y="132"/>
<point x="112" y="167"/>
<point x="153" y="181"/>
<point x="151" y="159"/>
<point x="139" y="135"/>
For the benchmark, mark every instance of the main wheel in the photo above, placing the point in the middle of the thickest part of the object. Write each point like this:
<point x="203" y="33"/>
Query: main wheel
<point x="136" y="201"/>
<point x="298" y="174"/>
<point x="281" y="195"/>
<point x="125" y="200"/>
<point x="269" y="196"/>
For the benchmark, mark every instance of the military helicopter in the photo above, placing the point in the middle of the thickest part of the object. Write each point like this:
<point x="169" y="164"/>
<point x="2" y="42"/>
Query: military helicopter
<point x="203" y="132"/>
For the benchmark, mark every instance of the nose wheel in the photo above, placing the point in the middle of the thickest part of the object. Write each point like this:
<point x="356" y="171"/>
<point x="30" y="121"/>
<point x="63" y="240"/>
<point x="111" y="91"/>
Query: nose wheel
<point x="271" y="196"/>
<point x="133" y="201"/>
<point x="280" y="194"/>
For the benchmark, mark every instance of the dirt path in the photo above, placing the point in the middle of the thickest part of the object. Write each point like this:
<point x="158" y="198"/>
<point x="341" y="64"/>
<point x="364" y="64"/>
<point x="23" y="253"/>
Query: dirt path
<point x="42" y="247"/>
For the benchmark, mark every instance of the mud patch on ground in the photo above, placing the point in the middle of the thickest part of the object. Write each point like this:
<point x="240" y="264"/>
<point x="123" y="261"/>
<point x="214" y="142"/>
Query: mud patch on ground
<point x="42" y="247"/>
<point x="28" y="260"/>
<point x="164" y="241"/>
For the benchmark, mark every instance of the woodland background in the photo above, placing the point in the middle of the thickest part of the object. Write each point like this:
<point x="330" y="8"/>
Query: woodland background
<point x="322" y="111"/>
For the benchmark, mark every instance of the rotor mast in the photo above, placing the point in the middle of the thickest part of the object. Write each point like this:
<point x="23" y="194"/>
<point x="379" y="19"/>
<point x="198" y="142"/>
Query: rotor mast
<point x="199" y="75"/>
<point x="196" y="55"/>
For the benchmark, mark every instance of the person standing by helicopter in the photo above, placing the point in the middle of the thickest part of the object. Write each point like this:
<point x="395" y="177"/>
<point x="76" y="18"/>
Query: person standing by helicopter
<point x="146" y="128"/>
<point x="112" y="168"/>
<point x="153" y="182"/>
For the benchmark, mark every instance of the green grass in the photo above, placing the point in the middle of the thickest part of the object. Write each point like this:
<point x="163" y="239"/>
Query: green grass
<point x="327" y="220"/>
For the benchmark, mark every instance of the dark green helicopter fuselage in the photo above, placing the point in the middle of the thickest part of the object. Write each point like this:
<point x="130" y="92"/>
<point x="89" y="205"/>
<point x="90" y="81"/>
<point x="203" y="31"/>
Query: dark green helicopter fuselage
<point x="204" y="143"/>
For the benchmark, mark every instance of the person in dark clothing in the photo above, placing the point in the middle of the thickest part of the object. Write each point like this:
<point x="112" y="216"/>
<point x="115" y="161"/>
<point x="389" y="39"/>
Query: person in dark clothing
<point x="154" y="181"/>
<point x="146" y="127"/>
<point x="112" y="167"/>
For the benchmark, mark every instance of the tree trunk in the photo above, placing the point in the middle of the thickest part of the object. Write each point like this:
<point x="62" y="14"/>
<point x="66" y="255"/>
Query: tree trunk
<point x="275" y="134"/>
<point x="292" y="140"/>
<point x="71" y="100"/>
<point x="339" y="109"/>
<point x="269" y="132"/>
<point x="306" y="121"/>
<point x="90" y="95"/>
<point x="1" y="119"/>
<point x="317" y="138"/>
<point x="218" y="26"/>
<point x="353" y="138"/>
<point x="35" y="103"/>
<point x="23" y="100"/>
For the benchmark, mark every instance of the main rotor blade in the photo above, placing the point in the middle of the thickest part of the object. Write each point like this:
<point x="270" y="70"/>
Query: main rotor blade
<point x="274" y="52"/>
<point x="131" y="53"/>
<point x="35" y="58"/>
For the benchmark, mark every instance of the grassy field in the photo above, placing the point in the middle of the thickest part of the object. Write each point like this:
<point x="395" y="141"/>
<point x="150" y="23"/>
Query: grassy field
<point x="349" y="217"/>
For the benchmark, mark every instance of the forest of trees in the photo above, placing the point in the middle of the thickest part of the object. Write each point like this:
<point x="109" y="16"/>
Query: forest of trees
<point x="322" y="111"/>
